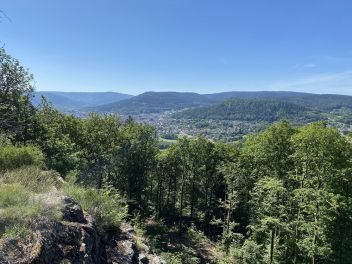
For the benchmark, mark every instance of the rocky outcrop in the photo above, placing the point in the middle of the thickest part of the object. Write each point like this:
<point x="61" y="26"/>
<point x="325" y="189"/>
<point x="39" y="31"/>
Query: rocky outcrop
<point x="123" y="248"/>
<point x="74" y="239"/>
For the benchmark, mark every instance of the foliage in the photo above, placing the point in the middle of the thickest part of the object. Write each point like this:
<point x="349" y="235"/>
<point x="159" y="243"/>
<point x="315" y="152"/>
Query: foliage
<point x="172" y="246"/>
<point x="12" y="157"/>
<point x="17" y="206"/>
<point x="154" y="102"/>
<point x="16" y="90"/>
<point x="280" y="196"/>
<point x="16" y="231"/>
<point x="251" y="110"/>
<point x="57" y="135"/>
<point x="106" y="206"/>
<point x="33" y="178"/>
<point x="98" y="146"/>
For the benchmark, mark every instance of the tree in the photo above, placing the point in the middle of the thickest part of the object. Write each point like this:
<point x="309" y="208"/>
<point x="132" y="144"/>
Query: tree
<point x="16" y="91"/>
<point x="98" y="144"/>
<point x="321" y="158"/>
<point x="269" y="202"/>
<point x="58" y="136"/>
<point x="135" y="159"/>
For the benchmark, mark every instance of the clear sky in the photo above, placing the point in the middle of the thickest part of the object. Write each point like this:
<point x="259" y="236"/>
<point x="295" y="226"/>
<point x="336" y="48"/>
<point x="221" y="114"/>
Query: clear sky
<point x="203" y="46"/>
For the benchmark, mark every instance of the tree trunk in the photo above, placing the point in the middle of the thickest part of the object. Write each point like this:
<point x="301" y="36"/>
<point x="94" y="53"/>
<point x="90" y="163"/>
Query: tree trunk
<point x="272" y="242"/>
<point x="181" y="203"/>
<point x="192" y="197"/>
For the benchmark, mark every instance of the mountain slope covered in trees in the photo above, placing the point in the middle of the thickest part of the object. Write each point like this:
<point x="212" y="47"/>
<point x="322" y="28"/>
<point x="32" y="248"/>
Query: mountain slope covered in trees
<point x="251" y="110"/>
<point x="153" y="102"/>
<point x="79" y="100"/>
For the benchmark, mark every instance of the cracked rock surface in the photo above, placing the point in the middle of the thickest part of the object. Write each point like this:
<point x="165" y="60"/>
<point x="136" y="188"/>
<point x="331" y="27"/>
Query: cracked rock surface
<point x="74" y="239"/>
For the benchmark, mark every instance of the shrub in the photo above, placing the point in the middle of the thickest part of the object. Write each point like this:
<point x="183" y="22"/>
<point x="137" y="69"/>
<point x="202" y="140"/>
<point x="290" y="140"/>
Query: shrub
<point x="106" y="206"/>
<point x="12" y="157"/>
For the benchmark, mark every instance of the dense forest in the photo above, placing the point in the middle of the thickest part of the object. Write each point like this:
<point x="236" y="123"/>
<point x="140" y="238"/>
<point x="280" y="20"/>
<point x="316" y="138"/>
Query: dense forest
<point x="252" y="110"/>
<point x="281" y="196"/>
<point x="155" y="102"/>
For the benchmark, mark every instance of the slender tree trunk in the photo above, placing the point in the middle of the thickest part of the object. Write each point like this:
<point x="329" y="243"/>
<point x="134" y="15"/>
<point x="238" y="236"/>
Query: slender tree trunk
<point x="169" y="190"/>
<point x="192" y="196"/>
<point x="181" y="203"/>
<point x="174" y="194"/>
<point x="206" y="207"/>
<point x="272" y="244"/>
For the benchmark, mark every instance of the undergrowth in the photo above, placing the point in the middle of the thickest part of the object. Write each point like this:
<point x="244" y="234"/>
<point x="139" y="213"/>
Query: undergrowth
<point x="106" y="206"/>
<point x="188" y="247"/>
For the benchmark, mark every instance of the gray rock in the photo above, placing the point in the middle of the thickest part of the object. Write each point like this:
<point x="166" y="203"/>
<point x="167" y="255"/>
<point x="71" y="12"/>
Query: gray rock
<point x="75" y="240"/>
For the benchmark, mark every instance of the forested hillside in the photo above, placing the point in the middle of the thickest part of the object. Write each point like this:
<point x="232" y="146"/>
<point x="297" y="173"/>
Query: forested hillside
<point x="66" y="101"/>
<point x="321" y="102"/>
<point x="252" y="110"/>
<point x="280" y="196"/>
<point x="154" y="102"/>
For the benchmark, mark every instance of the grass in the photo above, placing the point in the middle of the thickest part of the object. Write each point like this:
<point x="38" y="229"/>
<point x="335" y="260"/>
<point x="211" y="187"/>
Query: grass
<point x="12" y="195"/>
<point x="107" y="207"/>
<point x="17" y="207"/>
<point x="26" y="193"/>
<point x="32" y="178"/>
<point x="20" y="202"/>
<point x="170" y="141"/>
<point x="16" y="231"/>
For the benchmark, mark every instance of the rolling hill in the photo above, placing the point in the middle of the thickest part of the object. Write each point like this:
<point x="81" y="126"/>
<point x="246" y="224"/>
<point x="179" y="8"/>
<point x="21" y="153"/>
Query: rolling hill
<point x="65" y="101"/>
<point x="320" y="102"/>
<point x="255" y="95"/>
<point x="154" y="102"/>
<point x="251" y="110"/>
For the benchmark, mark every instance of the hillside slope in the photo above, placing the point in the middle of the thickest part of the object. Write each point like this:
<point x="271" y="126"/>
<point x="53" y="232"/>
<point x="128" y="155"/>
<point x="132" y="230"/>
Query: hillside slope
<point x="153" y="102"/>
<point x="78" y="100"/>
<point x="321" y="102"/>
<point x="251" y="110"/>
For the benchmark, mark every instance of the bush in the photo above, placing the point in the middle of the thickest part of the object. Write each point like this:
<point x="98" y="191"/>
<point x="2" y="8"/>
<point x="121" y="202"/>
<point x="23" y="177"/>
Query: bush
<point x="12" y="157"/>
<point x="186" y="256"/>
<point x="106" y="206"/>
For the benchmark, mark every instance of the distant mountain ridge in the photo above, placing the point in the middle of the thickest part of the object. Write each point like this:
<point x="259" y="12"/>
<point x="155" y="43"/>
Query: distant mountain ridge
<point x="156" y="102"/>
<point x="65" y="101"/>
<point x="153" y="102"/>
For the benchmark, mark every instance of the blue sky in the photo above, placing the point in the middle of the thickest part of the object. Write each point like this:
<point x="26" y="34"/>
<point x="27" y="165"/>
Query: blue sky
<point x="203" y="46"/>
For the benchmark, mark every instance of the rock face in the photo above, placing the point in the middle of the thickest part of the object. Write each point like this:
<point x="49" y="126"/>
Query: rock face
<point x="74" y="239"/>
<point x="123" y="248"/>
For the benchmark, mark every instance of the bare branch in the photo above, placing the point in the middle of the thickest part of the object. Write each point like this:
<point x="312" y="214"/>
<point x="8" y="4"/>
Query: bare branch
<point x="3" y="16"/>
